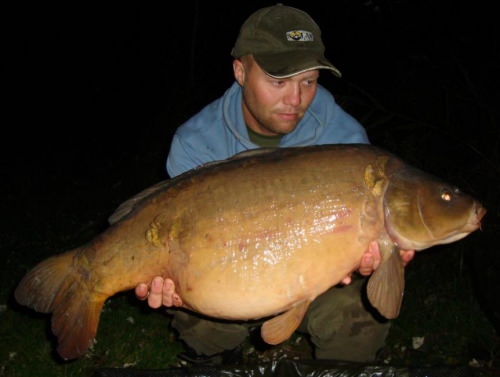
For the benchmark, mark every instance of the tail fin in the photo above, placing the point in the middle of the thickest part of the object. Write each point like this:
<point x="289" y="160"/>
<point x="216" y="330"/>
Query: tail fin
<point x="56" y="286"/>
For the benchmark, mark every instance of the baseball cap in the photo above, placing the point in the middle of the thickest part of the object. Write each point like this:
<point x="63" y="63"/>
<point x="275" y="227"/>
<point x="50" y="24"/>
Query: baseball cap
<point x="284" y="41"/>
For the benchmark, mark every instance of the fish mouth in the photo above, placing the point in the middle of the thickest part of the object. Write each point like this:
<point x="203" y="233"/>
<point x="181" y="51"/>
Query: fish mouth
<point x="474" y="221"/>
<point x="479" y="213"/>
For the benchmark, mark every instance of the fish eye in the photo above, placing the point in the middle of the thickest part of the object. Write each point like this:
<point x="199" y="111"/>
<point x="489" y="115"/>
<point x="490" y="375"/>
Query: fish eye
<point x="446" y="194"/>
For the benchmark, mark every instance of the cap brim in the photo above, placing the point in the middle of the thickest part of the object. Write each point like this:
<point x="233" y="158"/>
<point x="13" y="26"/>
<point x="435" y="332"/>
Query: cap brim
<point x="288" y="64"/>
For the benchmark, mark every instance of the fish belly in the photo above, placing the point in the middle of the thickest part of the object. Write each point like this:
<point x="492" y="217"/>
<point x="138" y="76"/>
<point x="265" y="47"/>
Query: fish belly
<point x="268" y="237"/>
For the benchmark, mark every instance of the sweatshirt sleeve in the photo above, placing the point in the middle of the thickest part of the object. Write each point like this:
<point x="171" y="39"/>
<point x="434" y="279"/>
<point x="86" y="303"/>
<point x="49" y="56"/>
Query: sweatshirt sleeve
<point x="181" y="157"/>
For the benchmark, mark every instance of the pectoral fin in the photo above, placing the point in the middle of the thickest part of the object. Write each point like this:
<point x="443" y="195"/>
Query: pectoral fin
<point x="385" y="287"/>
<point x="280" y="328"/>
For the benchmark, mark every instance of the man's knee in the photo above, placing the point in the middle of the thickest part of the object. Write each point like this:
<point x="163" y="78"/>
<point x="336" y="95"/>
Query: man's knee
<point x="207" y="337"/>
<point x="358" y="341"/>
<point x="342" y="327"/>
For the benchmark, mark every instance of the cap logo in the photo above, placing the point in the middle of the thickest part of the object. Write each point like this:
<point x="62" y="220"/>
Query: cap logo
<point x="299" y="36"/>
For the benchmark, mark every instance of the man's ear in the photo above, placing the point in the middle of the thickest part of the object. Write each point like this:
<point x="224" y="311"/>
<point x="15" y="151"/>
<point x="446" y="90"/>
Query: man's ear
<point x="239" y="71"/>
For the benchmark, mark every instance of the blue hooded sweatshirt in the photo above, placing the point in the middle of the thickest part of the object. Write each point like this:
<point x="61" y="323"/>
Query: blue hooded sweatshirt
<point x="219" y="131"/>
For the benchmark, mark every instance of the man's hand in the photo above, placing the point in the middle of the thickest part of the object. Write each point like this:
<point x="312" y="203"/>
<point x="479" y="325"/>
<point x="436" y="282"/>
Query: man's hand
<point x="371" y="260"/>
<point x="161" y="293"/>
<point x="407" y="256"/>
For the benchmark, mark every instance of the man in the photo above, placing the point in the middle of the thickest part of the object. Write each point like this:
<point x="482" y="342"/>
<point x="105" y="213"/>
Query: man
<point x="275" y="101"/>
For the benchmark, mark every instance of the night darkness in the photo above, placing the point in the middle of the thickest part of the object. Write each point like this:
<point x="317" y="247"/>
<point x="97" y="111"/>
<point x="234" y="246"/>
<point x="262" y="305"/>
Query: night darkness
<point x="92" y="94"/>
<point x="88" y="79"/>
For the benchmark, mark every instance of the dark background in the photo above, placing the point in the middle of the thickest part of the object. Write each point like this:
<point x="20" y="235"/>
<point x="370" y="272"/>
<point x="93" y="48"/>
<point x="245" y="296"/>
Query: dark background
<point x="92" y="93"/>
<point x="82" y="79"/>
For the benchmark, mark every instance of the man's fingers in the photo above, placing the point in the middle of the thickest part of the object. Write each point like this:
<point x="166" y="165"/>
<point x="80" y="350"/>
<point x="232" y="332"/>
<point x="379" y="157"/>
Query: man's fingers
<point x="370" y="259"/>
<point x="407" y="256"/>
<point x="170" y="298"/>
<point x="347" y="280"/>
<point x="142" y="291"/>
<point x="366" y="266"/>
<point x="168" y="292"/>
<point x="155" y="294"/>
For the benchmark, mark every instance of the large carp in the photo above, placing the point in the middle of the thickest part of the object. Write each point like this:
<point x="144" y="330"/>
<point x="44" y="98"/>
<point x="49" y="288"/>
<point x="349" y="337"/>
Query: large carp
<point x="259" y="235"/>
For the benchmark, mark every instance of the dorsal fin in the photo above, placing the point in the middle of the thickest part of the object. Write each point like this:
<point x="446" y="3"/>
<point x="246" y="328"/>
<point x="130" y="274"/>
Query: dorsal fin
<point x="126" y="207"/>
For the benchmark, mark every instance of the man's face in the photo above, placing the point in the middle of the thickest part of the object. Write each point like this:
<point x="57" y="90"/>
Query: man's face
<point x="274" y="106"/>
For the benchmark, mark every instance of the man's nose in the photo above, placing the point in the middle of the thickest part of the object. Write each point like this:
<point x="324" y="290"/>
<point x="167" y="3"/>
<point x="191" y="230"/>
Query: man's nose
<point x="293" y="95"/>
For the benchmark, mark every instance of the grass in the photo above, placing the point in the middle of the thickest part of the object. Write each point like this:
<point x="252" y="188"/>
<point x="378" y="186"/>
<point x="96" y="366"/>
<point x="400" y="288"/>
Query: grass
<point x="128" y="337"/>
